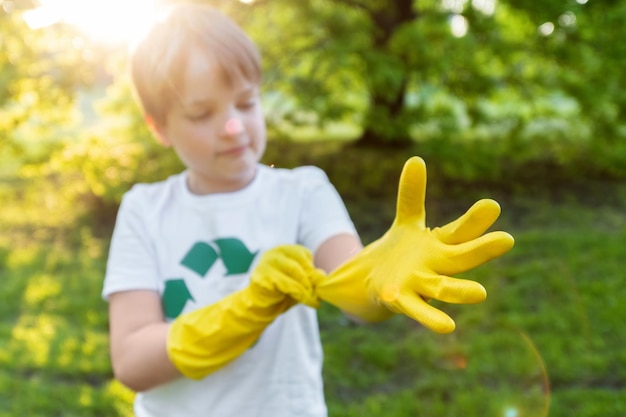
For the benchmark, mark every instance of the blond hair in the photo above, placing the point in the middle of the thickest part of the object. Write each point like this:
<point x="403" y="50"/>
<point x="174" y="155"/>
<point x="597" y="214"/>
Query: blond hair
<point x="158" y="60"/>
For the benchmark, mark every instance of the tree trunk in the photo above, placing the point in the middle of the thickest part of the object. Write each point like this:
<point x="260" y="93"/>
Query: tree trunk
<point x="384" y="124"/>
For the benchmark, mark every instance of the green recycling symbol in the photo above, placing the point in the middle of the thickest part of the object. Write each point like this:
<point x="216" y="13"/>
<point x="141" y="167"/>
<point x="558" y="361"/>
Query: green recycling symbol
<point x="234" y="254"/>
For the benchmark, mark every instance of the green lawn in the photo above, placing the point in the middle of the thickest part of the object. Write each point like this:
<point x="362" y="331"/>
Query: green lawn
<point x="549" y="336"/>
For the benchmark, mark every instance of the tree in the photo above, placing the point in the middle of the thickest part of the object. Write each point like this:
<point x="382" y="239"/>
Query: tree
<point x="584" y="46"/>
<point x="526" y="84"/>
<point x="40" y="70"/>
<point x="367" y="60"/>
<point x="340" y="60"/>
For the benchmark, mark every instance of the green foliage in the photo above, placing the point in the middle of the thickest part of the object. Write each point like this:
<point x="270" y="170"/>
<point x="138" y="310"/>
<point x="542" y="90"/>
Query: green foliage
<point x="39" y="71"/>
<point x="486" y="107"/>
<point x="109" y="156"/>
<point x="53" y="331"/>
<point x="358" y="62"/>
<point x="498" y="104"/>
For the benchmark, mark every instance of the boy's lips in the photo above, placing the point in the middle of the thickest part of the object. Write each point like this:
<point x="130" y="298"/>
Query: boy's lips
<point x="235" y="151"/>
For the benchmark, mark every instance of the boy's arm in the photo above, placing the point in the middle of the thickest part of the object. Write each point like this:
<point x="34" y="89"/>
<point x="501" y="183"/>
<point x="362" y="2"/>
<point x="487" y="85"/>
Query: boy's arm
<point x="138" y="340"/>
<point x="337" y="250"/>
<point x="147" y="352"/>
<point x="412" y="264"/>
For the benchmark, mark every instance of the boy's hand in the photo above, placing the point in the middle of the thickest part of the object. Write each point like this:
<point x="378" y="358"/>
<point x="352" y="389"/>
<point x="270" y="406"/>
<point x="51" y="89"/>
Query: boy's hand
<point x="287" y="270"/>
<point x="204" y="340"/>
<point x="411" y="264"/>
<point x="416" y="262"/>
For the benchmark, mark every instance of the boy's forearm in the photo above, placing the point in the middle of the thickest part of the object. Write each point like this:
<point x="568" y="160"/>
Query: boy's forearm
<point x="147" y="352"/>
<point x="141" y="362"/>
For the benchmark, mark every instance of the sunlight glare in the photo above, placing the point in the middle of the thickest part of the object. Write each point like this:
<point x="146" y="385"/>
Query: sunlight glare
<point x="515" y="381"/>
<point x="112" y="21"/>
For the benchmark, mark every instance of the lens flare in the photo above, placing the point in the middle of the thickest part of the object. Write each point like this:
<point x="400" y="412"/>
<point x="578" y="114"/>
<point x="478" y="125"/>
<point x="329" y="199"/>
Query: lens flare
<point x="111" y="22"/>
<point x="502" y="375"/>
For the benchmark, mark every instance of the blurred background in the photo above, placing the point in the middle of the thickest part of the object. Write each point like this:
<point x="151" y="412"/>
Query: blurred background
<point x="522" y="101"/>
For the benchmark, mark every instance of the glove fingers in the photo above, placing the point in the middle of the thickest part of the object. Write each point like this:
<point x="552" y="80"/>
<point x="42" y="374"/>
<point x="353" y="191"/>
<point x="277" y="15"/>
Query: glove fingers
<point x="470" y="225"/>
<point x="452" y="290"/>
<point x="295" y="277"/>
<point x="414" y="306"/>
<point x="412" y="192"/>
<point x="313" y="299"/>
<point x="289" y="284"/>
<point x="469" y="255"/>
<point x="289" y="269"/>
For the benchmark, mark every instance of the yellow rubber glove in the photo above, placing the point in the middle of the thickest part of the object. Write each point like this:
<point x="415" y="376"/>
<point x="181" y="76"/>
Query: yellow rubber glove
<point x="202" y="341"/>
<point x="411" y="264"/>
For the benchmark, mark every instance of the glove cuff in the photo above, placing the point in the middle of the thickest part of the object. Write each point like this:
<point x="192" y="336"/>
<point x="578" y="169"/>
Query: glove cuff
<point x="203" y="341"/>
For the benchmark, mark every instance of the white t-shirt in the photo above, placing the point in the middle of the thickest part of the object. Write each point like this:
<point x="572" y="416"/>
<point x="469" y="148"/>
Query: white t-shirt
<point x="194" y="250"/>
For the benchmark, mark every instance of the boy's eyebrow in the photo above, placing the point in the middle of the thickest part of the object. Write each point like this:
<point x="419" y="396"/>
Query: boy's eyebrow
<point x="247" y="91"/>
<point x="201" y="102"/>
<point x="206" y="102"/>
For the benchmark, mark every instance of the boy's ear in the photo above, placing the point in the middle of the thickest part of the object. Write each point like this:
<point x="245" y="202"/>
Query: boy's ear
<point x="157" y="130"/>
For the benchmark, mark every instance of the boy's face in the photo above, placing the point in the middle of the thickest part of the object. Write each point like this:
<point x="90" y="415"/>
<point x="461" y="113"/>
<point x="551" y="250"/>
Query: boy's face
<point x="217" y="128"/>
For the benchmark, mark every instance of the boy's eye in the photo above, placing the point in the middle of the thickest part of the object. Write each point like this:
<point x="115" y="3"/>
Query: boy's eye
<point x="196" y="117"/>
<point x="247" y="104"/>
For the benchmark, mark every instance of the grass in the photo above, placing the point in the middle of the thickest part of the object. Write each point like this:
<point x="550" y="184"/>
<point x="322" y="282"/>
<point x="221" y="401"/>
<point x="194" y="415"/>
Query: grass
<point x="548" y="340"/>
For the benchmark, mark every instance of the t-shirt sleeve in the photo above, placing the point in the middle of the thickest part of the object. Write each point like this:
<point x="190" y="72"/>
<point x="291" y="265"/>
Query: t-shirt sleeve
<point x="324" y="213"/>
<point x="131" y="263"/>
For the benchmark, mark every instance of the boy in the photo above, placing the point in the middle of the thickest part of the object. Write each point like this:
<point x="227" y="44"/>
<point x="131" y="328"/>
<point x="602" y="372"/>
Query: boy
<point x="213" y="273"/>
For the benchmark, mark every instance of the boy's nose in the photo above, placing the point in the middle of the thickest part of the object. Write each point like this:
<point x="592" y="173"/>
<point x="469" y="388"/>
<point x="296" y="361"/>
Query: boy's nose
<point x="233" y="126"/>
